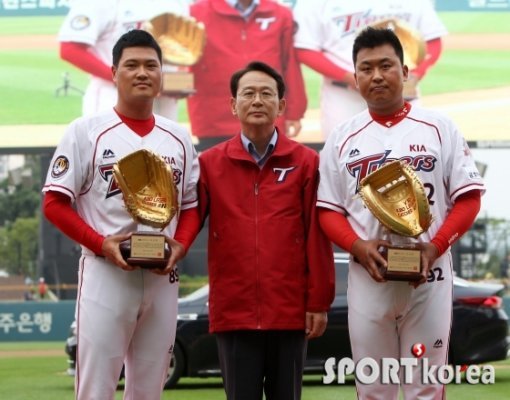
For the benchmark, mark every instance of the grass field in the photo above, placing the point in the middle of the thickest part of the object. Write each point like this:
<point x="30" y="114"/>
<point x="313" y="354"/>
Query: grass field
<point x="32" y="77"/>
<point x="43" y="378"/>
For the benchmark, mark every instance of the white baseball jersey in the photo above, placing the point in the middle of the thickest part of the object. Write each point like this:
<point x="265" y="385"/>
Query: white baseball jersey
<point x="330" y="26"/>
<point x="386" y="319"/>
<point x="120" y="313"/>
<point x="99" y="24"/>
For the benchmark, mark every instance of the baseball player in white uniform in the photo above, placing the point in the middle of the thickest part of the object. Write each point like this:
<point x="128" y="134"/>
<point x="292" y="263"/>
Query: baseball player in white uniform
<point x="326" y="32"/>
<point x="88" y="34"/>
<point x="386" y="318"/>
<point x="124" y="314"/>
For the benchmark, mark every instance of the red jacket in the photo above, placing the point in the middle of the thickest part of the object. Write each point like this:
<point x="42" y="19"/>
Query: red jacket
<point x="231" y="43"/>
<point x="269" y="262"/>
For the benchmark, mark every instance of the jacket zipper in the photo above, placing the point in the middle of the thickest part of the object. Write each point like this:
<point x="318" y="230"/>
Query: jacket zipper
<point x="256" y="191"/>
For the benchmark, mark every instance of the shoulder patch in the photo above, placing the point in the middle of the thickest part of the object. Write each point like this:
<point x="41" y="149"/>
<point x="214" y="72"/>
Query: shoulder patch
<point x="60" y="167"/>
<point x="80" y="22"/>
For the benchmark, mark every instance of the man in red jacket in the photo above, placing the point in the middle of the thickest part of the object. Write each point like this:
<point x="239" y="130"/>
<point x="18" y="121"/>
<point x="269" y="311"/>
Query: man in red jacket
<point x="239" y="31"/>
<point x="271" y="269"/>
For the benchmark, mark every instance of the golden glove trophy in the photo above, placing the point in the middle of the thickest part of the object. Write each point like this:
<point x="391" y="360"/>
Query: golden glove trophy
<point x="396" y="197"/>
<point x="182" y="41"/>
<point x="150" y="196"/>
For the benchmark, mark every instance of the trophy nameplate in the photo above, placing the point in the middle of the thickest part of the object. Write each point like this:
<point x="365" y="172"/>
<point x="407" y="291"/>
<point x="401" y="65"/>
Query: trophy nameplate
<point x="403" y="263"/>
<point x="146" y="250"/>
<point x="178" y="83"/>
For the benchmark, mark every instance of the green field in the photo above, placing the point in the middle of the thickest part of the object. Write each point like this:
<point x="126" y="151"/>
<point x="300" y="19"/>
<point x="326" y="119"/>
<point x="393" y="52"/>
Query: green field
<point x="44" y="378"/>
<point x="32" y="77"/>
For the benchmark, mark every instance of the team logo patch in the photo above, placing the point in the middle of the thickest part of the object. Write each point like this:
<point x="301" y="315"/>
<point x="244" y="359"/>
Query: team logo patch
<point x="60" y="167"/>
<point x="80" y="22"/>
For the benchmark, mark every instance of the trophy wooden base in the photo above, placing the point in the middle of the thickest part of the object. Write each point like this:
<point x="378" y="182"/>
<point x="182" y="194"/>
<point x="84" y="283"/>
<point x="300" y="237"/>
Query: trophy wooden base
<point x="178" y="83"/>
<point x="404" y="263"/>
<point x="146" y="250"/>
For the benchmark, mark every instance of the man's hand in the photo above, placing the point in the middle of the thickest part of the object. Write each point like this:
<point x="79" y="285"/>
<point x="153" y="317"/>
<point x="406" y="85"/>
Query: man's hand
<point x="111" y="251"/>
<point x="429" y="255"/>
<point x="366" y="253"/>
<point x="292" y="128"/>
<point x="316" y="323"/>
<point x="177" y="252"/>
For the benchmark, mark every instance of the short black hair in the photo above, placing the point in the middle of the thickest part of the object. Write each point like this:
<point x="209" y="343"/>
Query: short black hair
<point x="375" y="37"/>
<point x="135" y="38"/>
<point x="260" y="67"/>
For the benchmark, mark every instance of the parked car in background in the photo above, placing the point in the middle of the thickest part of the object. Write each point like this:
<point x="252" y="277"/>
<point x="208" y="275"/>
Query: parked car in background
<point x="479" y="330"/>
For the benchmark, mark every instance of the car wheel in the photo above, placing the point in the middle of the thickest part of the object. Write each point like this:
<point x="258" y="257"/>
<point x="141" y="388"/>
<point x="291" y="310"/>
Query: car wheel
<point x="176" y="367"/>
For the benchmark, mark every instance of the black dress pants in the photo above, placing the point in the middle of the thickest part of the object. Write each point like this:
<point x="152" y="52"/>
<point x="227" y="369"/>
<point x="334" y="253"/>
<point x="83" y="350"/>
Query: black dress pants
<point x="257" y="362"/>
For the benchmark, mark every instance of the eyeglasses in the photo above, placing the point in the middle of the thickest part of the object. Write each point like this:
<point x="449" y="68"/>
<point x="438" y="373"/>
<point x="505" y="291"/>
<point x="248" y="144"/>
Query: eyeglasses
<point x="264" y="94"/>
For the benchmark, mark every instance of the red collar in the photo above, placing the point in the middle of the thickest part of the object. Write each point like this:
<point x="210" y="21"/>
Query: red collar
<point x="141" y="127"/>
<point x="389" y="120"/>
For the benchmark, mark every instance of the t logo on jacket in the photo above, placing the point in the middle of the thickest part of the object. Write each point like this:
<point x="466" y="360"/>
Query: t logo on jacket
<point x="282" y="173"/>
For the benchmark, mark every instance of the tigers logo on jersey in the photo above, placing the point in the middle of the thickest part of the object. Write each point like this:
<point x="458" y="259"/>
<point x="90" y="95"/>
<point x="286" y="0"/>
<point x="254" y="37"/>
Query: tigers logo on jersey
<point x="80" y="22"/>
<point x="60" y="167"/>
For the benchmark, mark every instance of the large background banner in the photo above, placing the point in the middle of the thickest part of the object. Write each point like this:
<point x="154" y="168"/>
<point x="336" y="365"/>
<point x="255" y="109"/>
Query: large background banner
<point x="18" y="8"/>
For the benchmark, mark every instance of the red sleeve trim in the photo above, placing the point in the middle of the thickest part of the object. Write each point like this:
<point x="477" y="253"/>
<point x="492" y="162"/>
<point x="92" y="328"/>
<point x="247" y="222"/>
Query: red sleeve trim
<point x="318" y="61"/>
<point x="79" y="55"/>
<point x="434" y="48"/>
<point x="458" y="221"/>
<point x="188" y="227"/>
<point x="337" y="228"/>
<point x="58" y="210"/>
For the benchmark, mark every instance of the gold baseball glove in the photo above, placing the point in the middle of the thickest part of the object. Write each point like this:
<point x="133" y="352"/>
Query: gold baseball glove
<point x="147" y="184"/>
<point x="182" y="39"/>
<point x="412" y="42"/>
<point x="396" y="197"/>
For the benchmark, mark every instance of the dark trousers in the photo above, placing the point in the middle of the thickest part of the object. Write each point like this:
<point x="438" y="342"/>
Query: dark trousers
<point x="257" y="362"/>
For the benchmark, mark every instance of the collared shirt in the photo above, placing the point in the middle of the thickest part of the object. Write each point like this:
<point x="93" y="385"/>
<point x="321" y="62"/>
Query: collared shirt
<point x="250" y="148"/>
<point x="245" y="12"/>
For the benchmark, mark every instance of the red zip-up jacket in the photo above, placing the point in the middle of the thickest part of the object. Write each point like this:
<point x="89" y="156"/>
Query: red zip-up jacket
<point x="269" y="262"/>
<point x="231" y="43"/>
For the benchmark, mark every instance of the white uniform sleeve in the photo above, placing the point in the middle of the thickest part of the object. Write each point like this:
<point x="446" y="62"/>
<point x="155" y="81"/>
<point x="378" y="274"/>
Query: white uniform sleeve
<point x="190" y="197"/>
<point x="461" y="172"/>
<point x="429" y="24"/>
<point x="330" y="193"/>
<point x="87" y="21"/>
<point x="309" y="34"/>
<point x="68" y="168"/>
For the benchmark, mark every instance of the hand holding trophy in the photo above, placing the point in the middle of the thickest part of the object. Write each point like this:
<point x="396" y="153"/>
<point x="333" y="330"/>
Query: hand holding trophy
<point x="396" y="197"/>
<point x="182" y="41"/>
<point x="150" y="196"/>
